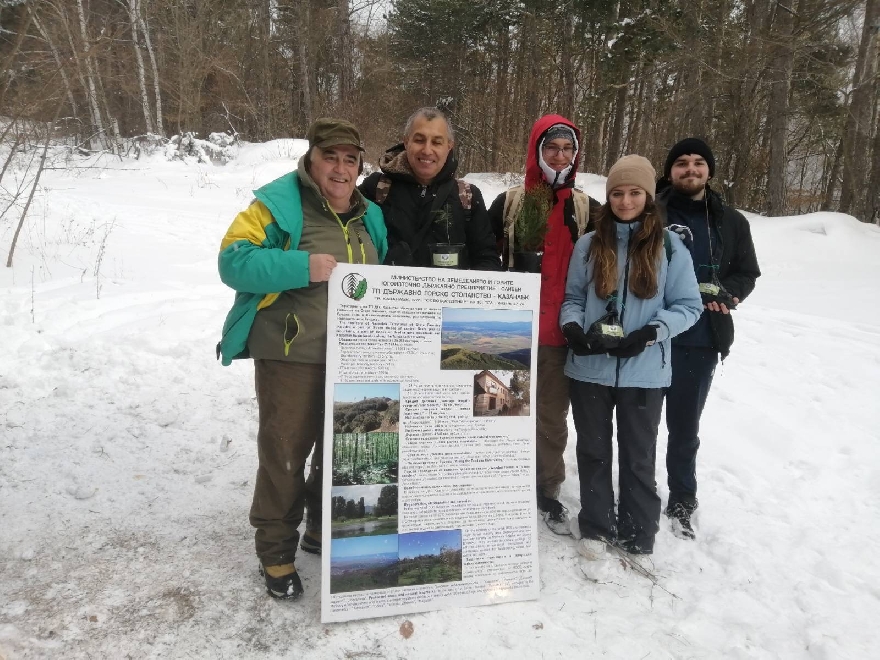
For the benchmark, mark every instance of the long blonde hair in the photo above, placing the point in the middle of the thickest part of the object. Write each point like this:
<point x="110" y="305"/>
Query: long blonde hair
<point x="644" y="252"/>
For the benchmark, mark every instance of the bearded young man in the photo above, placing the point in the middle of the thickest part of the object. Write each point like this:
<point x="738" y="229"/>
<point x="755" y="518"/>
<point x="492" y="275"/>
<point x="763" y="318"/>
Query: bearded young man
<point x="726" y="267"/>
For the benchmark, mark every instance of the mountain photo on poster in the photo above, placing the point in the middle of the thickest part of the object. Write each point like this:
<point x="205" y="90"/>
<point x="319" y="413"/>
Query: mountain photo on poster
<point x="477" y="339"/>
<point x="365" y="433"/>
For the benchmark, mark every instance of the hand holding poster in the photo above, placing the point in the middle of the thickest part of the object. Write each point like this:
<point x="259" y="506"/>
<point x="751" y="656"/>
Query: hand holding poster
<point x="430" y="432"/>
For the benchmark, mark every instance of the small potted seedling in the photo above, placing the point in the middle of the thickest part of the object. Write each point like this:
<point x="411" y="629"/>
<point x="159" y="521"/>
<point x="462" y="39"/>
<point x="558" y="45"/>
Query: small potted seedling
<point x="530" y="228"/>
<point x="448" y="254"/>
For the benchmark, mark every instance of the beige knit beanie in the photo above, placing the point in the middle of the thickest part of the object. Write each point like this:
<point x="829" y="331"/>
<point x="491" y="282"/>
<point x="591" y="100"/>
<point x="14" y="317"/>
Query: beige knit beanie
<point x="632" y="170"/>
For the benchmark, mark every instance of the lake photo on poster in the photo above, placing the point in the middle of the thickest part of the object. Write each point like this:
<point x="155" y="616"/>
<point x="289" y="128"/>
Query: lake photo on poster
<point x="363" y="511"/>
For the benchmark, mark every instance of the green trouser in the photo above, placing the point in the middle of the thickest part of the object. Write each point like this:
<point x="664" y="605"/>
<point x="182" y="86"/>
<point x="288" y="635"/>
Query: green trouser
<point x="290" y="396"/>
<point x="552" y="419"/>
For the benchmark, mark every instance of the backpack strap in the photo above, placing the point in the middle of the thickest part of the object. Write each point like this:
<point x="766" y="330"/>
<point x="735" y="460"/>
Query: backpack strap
<point x="581" y="210"/>
<point x="465" y="196"/>
<point x="513" y="201"/>
<point x="667" y="243"/>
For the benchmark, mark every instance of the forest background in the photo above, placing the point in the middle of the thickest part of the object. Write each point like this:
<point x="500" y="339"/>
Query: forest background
<point x="786" y="92"/>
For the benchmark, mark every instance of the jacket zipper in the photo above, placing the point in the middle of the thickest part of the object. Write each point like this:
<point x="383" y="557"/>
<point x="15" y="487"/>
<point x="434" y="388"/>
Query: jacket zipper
<point x="347" y="236"/>
<point x="623" y="300"/>
<point x="361" y="242"/>
<point x="712" y="328"/>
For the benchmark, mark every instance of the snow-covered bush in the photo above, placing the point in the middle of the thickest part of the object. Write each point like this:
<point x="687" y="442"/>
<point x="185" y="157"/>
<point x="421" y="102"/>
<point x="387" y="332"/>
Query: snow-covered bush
<point x="218" y="148"/>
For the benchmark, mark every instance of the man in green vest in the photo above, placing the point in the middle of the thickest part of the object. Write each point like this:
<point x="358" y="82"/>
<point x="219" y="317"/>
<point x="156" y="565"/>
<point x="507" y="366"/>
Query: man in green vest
<point x="278" y="255"/>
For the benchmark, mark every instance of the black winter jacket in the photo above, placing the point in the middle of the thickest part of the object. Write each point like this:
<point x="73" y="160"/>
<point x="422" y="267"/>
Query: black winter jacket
<point x="734" y="254"/>
<point x="408" y="206"/>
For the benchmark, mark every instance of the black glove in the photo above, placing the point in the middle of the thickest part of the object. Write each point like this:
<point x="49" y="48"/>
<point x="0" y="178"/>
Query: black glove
<point x="685" y="233"/>
<point x="577" y="340"/>
<point x="399" y="254"/>
<point x="635" y="342"/>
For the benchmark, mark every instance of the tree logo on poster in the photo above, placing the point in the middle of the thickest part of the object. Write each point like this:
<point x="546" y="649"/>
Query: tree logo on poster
<point x="354" y="286"/>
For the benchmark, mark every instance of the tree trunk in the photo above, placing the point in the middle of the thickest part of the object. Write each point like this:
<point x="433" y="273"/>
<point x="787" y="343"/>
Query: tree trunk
<point x="133" y="14"/>
<point x="502" y="97"/>
<point x="146" y="32"/>
<point x="872" y="210"/>
<point x="343" y="52"/>
<point x="30" y="198"/>
<point x="305" y="81"/>
<point x="616" y="135"/>
<point x="99" y="140"/>
<point x="777" y="113"/>
<point x="566" y="56"/>
<point x="6" y="64"/>
<point x="68" y="90"/>
<point x="857" y="130"/>
<point x="831" y="180"/>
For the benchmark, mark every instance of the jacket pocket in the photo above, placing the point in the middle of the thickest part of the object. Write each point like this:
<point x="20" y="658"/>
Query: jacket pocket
<point x="292" y="328"/>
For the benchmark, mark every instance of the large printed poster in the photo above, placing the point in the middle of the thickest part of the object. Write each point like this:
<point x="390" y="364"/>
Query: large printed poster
<point x="430" y="432"/>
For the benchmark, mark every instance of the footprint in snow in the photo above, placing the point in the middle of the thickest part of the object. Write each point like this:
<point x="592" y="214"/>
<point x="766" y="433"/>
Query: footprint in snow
<point x="81" y="492"/>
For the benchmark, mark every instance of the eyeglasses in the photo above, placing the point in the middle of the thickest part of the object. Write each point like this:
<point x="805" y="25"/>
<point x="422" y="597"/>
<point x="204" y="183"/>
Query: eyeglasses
<point x="552" y="150"/>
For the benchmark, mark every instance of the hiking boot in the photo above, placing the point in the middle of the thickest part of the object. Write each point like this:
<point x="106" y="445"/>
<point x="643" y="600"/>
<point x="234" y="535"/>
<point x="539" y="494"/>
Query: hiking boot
<point x="555" y="515"/>
<point x="592" y="549"/>
<point x="311" y="542"/>
<point x="282" y="582"/>
<point x="680" y="515"/>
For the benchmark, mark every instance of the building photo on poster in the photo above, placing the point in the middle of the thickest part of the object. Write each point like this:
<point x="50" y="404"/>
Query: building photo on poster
<point x="429" y="437"/>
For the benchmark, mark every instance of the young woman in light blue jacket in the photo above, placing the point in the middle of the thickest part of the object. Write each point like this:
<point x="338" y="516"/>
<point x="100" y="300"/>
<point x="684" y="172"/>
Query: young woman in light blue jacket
<point x="630" y="289"/>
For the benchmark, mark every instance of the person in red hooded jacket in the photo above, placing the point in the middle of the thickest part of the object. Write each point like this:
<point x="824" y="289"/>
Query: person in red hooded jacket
<point x="551" y="165"/>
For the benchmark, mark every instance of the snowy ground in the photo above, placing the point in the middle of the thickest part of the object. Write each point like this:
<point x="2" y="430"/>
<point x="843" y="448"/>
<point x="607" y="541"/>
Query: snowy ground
<point x="127" y="455"/>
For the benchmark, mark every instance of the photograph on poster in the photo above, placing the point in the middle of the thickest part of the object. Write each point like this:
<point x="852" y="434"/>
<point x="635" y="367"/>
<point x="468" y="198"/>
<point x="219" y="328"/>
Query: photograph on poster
<point x="363" y="511"/>
<point x="476" y="339"/>
<point x="366" y="420"/>
<point x="429" y="557"/>
<point x="363" y="563"/>
<point x="502" y="393"/>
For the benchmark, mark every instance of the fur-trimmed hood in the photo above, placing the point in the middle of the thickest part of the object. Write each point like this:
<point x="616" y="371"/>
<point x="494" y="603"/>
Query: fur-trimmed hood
<point x="534" y="175"/>
<point x="395" y="165"/>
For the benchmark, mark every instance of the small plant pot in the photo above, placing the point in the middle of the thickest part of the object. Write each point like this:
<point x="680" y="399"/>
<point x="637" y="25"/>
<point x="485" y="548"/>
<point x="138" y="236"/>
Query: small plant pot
<point x="527" y="262"/>
<point x="446" y="255"/>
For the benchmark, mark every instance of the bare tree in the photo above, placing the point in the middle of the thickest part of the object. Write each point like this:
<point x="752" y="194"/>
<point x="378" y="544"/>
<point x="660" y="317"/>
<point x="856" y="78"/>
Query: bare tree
<point x="777" y="117"/>
<point x="100" y="136"/>
<point x="858" y="129"/>
<point x="134" y="22"/>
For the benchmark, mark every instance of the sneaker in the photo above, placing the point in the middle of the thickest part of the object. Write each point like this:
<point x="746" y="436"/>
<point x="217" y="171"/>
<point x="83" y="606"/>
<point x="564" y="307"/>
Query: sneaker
<point x="592" y="549"/>
<point x="311" y="542"/>
<point x="555" y="515"/>
<point x="282" y="582"/>
<point x="680" y="515"/>
<point x="635" y="548"/>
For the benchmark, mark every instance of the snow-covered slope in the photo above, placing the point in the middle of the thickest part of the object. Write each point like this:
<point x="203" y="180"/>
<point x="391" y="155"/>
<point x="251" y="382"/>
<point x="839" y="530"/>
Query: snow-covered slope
<point x="127" y="455"/>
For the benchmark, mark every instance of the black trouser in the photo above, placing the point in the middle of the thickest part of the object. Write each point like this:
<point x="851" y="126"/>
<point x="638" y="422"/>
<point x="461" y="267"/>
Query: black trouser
<point x="692" y="371"/>
<point x="638" y="418"/>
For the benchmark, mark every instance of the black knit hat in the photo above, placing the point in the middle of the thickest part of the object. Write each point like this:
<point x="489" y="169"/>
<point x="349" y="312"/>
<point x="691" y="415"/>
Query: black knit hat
<point x="689" y="145"/>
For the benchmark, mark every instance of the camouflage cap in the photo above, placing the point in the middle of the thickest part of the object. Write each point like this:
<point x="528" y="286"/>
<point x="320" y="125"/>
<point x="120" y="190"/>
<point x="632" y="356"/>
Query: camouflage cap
<point x="325" y="133"/>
